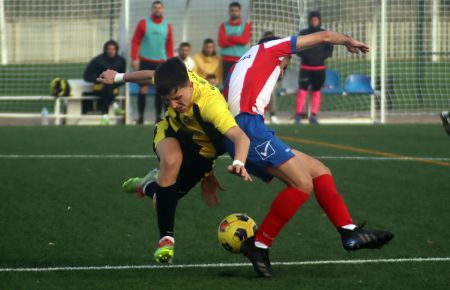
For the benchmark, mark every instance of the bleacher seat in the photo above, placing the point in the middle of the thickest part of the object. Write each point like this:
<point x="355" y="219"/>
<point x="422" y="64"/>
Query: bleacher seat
<point x="332" y="85"/>
<point x="358" y="84"/>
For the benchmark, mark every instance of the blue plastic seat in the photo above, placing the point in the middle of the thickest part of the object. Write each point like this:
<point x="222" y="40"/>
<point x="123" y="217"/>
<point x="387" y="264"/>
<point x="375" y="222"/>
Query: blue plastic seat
<point x="332" y="85"/>
<point x="134" y="89"/>
<point x="358" y="84"/>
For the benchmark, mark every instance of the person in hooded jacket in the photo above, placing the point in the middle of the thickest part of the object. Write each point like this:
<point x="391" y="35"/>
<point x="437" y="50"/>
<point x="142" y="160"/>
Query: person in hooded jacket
<point x="312" y="71"/>
<point x="109" y="59"/>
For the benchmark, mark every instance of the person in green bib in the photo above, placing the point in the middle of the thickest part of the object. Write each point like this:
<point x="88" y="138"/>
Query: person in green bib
<point x="152" y="44"/>
<point x="234" y="35"/>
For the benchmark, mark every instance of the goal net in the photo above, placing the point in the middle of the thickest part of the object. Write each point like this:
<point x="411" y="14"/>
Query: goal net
<point x="44" y="39"/>
<point x="408" y="66"/>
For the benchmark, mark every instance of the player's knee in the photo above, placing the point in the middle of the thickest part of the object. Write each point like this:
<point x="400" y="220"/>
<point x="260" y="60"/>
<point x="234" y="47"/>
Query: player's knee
<point x="322" y="169"/>
<point x="305" y="185"/>
<point x="171" y="163"/>
<point x="304" y="85"/>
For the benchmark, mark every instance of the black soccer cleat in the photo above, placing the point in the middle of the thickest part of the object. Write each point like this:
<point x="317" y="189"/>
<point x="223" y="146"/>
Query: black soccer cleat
<point x="445" y="117"/>
<point x="360" y="238"/>
<point x="259" y="257"/>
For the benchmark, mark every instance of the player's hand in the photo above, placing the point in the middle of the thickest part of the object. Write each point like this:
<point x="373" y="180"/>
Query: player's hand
<point x="135" y="64"/>
<point x="356" y="46"/>
<point x="239" y="170"/>
<point x="209" y="186"/>
<point x="107" y="77"/>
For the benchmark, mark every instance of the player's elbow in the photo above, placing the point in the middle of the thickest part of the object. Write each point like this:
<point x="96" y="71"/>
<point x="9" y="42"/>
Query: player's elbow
<point x="327" y="37"/>
<point x="237" y="136"/>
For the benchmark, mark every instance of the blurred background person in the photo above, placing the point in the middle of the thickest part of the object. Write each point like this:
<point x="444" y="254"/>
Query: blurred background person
<point x="234" y="35"/>
<point x="109" y="59"/>
<point x="184" y="53"/>
<point x="207" y="62"/>
<point x="152" y="44"/>
<point x="312" y="71"/>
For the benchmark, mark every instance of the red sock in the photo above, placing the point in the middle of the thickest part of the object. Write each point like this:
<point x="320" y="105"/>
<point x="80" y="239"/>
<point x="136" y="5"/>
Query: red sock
<point x="281" y="211"/>
<point x="301" y="100"/>
<point x="330" y="200"/>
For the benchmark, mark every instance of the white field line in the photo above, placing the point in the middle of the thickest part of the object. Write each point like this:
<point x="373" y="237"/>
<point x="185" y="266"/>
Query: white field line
<point x="223" y="265"/>
<point x="137" y="156"/>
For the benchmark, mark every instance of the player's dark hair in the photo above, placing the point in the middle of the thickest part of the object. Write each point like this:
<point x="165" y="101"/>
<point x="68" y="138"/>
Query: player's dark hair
<point x="156" y="3"/>
<point x="235" y="4"/>
<point x="267" y="34"/>
<point x="170" y="76"/>
<point x="268" y="38"/>
<point x="187" y="44"/>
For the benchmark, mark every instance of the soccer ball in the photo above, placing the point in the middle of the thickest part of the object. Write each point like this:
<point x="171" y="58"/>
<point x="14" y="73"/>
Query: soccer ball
<point x="234" y="229"/>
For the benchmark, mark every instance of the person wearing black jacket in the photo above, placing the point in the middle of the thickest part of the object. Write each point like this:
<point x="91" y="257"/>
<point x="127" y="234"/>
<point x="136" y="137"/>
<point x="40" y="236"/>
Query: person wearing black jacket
<point x="312" y="71"/>
<point x="109" y="59"/>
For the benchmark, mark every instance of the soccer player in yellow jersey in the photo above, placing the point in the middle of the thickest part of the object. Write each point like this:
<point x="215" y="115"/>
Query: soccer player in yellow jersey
<point x="187" y="142"/>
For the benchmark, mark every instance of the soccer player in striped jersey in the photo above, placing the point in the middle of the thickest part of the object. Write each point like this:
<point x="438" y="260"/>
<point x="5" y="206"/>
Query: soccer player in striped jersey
<point x="248" y="90"/>
<point x="187" y="142"/>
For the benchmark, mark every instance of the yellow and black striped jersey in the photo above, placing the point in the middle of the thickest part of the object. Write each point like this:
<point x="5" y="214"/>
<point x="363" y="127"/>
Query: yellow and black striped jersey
<point x="204" y="122"/>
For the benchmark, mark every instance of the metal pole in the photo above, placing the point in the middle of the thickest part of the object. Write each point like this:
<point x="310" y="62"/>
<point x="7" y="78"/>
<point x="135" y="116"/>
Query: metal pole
<point x="57" y="112"/>
<point x="186" y="21"/>
<point x="383" y="62"/>
<point x="3" y="44"/>
<point x="420" y="67"/>
<point x="373" y="59"/>
<point x="435" y="31"/>
<point x="126" y="10"/>
<point x="111" y="19"/>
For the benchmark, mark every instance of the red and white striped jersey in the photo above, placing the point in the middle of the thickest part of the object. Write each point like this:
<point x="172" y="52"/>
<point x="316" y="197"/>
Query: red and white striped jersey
<point x="253" y="78"/>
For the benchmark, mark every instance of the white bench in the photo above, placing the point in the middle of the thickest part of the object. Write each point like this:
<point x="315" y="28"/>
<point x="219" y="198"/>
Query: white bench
<point x="73" y="104"/>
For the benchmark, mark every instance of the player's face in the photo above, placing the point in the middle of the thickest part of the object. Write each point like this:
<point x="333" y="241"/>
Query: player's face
<point x="314" y="22"/>
<point x="157" y="10"/>
<point x="111" y="51"/>
<point x="209" y="48"/>
<point x="184" y="51"/>
<point x="181" y="99"/>
<point x="235" y="13"/>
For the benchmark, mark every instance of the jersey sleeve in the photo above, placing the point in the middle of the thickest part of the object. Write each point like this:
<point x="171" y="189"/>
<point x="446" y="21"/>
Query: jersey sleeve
<point x="281" y="47"/>
<point x="215" y="111"/>
<point x="139" y="33"/>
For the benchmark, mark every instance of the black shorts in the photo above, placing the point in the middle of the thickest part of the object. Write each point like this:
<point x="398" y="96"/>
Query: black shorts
<point x="144" y="65"/>
<point x="193" y="167"/>
<point x="313" y="78"/>
<point x="148" y="66"/>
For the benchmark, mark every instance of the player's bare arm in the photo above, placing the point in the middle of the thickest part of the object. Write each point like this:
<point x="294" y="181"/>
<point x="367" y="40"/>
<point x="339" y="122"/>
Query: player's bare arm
<point x="241" y="145"/>
<point x="331" y="37"/>
<point x="110" y="77"/>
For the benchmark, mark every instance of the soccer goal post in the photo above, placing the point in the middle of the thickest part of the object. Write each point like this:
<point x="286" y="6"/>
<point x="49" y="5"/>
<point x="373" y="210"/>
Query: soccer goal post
<point x="407" y="68"/>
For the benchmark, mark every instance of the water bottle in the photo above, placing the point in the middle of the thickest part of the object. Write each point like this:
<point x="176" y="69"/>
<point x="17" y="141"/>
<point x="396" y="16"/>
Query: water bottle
<point x="44" y="117"/>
